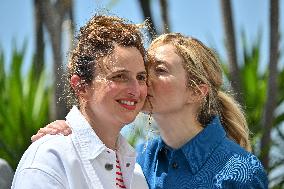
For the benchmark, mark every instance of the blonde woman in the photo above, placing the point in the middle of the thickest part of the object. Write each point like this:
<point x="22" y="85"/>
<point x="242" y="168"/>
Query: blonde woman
<point x="204" y="138"/>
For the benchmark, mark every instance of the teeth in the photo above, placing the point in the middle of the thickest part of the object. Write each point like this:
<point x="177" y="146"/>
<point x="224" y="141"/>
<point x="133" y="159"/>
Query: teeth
<point x="129" y="103"/>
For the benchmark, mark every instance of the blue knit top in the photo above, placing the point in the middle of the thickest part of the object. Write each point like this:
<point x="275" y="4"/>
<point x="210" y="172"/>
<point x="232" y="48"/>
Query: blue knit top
<point x="209" y="160"/>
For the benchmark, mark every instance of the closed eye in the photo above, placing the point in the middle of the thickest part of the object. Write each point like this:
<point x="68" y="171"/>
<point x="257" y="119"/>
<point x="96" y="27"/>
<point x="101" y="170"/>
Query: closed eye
<point x="161" y="70"/>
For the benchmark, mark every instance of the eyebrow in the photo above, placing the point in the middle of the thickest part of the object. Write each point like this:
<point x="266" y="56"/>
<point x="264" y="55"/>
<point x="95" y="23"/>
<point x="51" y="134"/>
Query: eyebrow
<point x="127" y="71"/>
<point x="120" y="71"/>
<point x="158" y="62"/>
<point x="143" y="72"/>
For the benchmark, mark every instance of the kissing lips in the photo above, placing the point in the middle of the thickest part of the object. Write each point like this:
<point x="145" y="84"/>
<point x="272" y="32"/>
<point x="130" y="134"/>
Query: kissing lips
<point x="129" y="104"/>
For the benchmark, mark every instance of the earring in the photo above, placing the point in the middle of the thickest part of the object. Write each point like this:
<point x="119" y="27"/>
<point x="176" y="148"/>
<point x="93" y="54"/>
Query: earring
<point x="150" y="118"/>
<point x="148" y="130"/>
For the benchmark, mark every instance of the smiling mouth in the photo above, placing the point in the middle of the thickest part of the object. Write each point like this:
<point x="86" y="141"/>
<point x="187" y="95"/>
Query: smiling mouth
<point x="128" y="104"/>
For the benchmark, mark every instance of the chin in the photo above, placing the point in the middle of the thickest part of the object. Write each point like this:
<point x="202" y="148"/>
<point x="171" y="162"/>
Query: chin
<point x="128" y="121"/>
<point x="130" y="117"/>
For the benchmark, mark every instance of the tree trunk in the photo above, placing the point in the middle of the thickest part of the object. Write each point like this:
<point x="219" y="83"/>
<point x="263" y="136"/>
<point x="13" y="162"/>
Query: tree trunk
<point x="59" y="103"/>
<point x="231" y="48"/>
<point x="39" y="40"/>
<point x="53" y="16"/>
<point x="71" y="22"/>
<point x="146" y="9"/>
<point x="165" y="16"/>
<point x="271" y="102"/>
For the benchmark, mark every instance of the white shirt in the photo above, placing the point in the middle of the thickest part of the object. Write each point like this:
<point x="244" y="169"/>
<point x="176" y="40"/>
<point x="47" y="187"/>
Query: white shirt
<point x="79" y="160"/>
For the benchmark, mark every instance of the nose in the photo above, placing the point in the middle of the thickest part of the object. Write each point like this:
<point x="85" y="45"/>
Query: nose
<point x="149" y="80"/>
<point x="134" y="88"/>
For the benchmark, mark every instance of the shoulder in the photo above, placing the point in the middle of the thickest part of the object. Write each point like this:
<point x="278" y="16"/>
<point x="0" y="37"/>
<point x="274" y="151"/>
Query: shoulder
<point x="46" y="160"/>
<point x="47" y="153"/>
<point x="49" y="144"/>
<point x="36" y="178"/>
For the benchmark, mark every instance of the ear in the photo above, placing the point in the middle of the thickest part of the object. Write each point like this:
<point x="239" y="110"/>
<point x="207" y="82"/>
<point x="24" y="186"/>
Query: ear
<point x="197" y="93"/>
<point x="77" y="84"/>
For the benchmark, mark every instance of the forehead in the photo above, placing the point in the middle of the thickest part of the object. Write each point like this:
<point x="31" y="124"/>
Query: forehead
<point x="165" y="53"/>
<point x="128" y="58"/>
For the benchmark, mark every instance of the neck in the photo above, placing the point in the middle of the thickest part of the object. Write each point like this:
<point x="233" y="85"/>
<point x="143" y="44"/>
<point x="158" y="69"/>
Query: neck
<point x="108" y="135"/>
<point x="107" y="132"/>
<point x="177" y="129"/>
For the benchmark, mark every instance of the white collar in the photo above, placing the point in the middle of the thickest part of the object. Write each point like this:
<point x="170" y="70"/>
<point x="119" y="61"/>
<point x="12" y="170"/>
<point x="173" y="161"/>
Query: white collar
<point x="88" y="139"/>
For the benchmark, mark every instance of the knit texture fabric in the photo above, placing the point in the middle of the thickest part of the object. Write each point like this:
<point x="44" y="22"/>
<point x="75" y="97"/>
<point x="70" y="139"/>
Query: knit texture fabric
<point x="209" y="160"/>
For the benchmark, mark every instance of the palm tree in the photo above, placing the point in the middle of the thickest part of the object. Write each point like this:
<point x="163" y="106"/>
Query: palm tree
<point x="165" y="16"/>
<point x="228" y="24"/>
<point x="52" y="15"/>
<point x="39" y="42"/>
<point x="270" y="105"/>
<point x="146" y="10"/>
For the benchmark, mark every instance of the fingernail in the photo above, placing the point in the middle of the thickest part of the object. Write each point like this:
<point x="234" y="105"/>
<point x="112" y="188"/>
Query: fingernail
<point x="66" y="132"/>
<point x="53" y="131"/>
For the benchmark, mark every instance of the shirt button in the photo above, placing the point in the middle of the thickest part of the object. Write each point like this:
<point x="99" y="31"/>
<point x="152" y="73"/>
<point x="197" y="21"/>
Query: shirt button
<point x="165" y="151"/>
<point x="174" y="165"/>
<point x="108" y="166"/>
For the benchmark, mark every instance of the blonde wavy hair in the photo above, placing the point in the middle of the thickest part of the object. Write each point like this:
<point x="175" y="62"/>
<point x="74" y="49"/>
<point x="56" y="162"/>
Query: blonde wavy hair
<point x="203" y="67"/>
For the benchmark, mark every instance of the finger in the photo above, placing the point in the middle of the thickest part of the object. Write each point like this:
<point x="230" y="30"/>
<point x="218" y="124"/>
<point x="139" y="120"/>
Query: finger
<point x="54" y="125"/>
<point x="48" y="130"/>
<point x="59" y="126"/>
<point x="67" y="131"/>
<point x="36" y="136"/>
<point x="63" y="125"/>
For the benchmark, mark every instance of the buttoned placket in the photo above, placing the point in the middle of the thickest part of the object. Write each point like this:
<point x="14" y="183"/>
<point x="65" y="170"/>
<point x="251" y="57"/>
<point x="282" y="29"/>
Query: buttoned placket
<point x="98" y="159"/>
<point x="105" y="164"/>
<point x="173" y="160"/>
<point x="127" y="164"/>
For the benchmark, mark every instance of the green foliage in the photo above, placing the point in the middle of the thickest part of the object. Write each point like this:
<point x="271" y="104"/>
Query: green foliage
<point x="254" y="86"/>
<point x="254" y="89"/>
<point x="24" y="100"/>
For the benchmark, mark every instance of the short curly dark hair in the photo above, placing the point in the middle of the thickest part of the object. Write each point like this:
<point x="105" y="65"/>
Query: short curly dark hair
<point x="97" y="39"/>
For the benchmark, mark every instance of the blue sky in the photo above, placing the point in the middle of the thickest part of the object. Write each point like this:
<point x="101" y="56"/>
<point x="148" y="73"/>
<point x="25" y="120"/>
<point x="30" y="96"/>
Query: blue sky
<point x="199" y="18"/>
